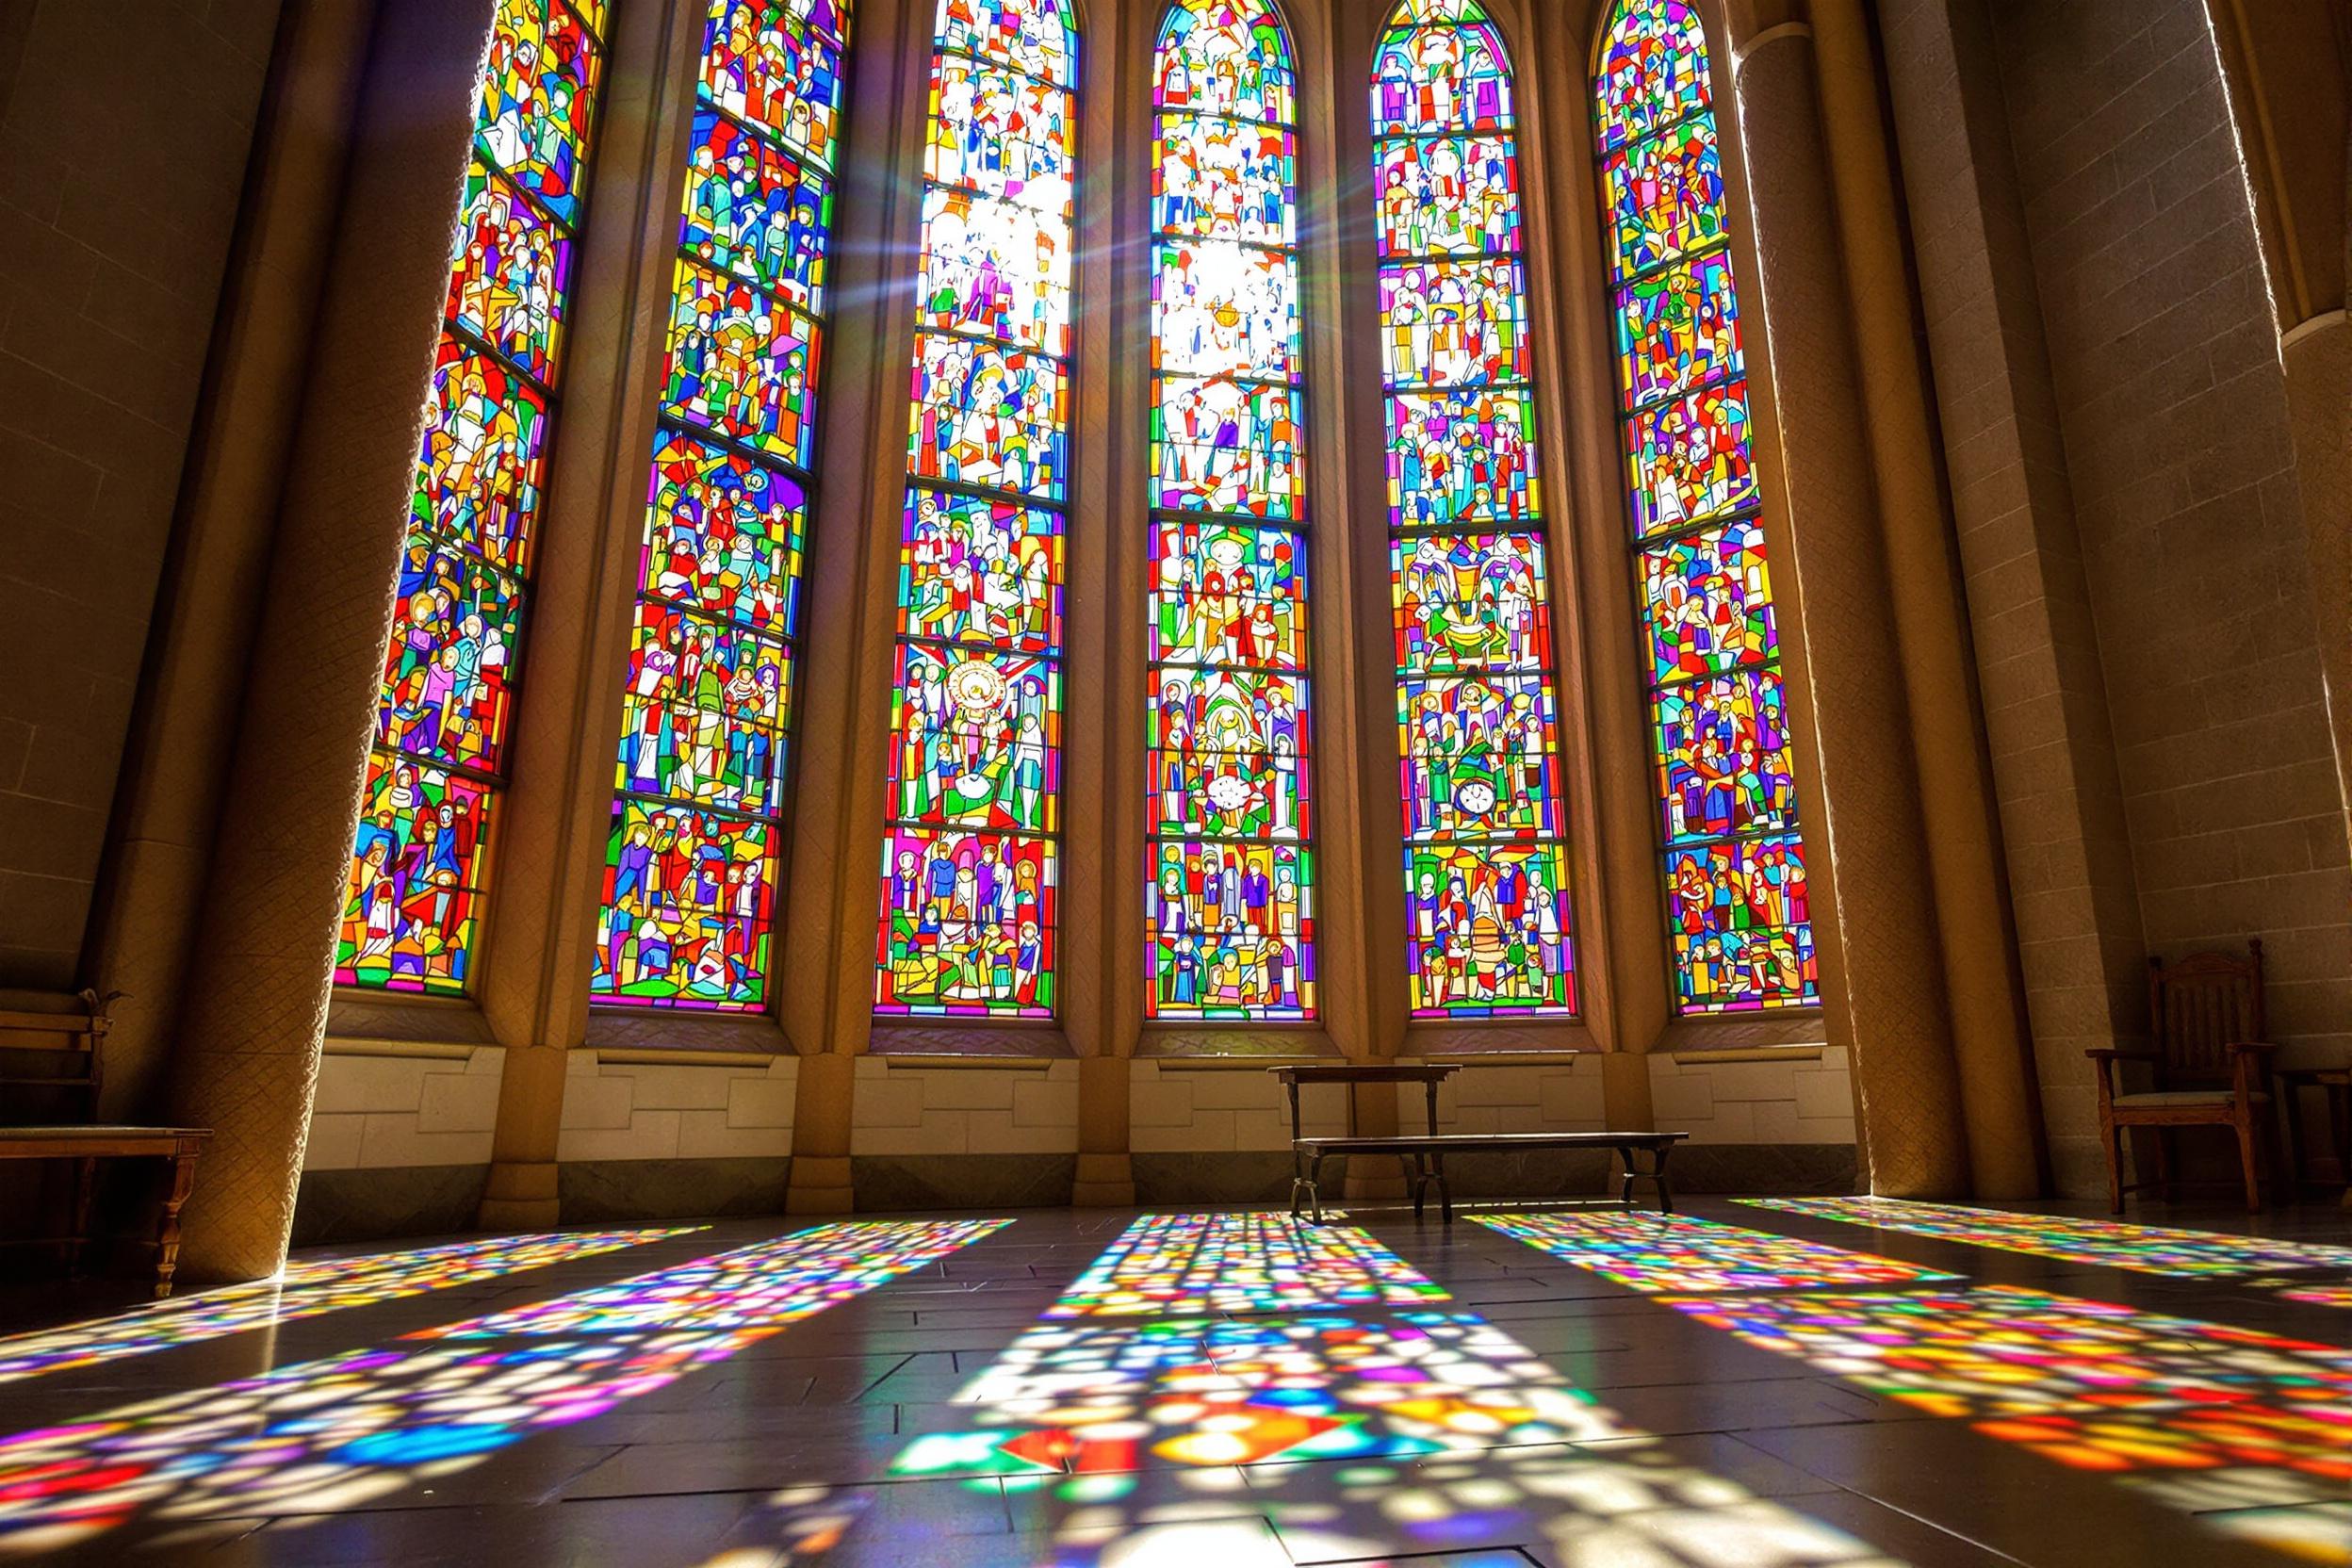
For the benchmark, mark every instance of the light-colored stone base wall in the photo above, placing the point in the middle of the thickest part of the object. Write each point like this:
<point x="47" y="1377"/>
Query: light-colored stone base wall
<point x="663" y="1111"/>
<point x="1801" y="1101"/>
<point x="1504" y="1096"/>
<point x="1177" y="1109"/>
<point x="379" y="1112"/>
<point x="1031" y="1108"/>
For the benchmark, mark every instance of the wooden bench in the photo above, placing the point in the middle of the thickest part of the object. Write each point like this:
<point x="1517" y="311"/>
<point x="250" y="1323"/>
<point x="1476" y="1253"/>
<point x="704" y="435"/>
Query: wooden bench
<point x="1422" y="1154"/>
<point x="1428" y="1151"/>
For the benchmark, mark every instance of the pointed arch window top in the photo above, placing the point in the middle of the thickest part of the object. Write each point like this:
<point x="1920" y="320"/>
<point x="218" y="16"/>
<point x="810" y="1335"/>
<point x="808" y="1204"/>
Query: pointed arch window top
<point x="1033" y="36"/>
<point x="1441" y="70"/>
<point x="1228" y="57"/>
<point x="1653" y="71"/>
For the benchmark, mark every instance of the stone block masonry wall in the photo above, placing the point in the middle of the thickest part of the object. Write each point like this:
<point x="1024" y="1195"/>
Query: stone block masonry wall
<point x="686" y="1111"/>
<point x="2171" y="396"/>
<point x="376" y="1113"/>
<point x="1503" y="1096"/>
<point x="1178" y="1109"/>
<point x="118" y="191"/>
<point x="904" y="1110"/>
<point x="1800" y="1101"/>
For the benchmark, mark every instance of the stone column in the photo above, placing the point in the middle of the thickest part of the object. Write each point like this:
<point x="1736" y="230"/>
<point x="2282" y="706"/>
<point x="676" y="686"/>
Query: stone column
<point x="1106" y="1177"/>
<point x="254" y="1010"/>
<point x="145" y="927"/>
<point x="1883" y="974"/>
<point x="1963" y="854"/>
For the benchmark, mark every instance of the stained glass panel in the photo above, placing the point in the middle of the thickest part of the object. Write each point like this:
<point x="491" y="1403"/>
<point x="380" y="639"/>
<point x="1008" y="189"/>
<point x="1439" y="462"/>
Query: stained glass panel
<point x="756" y="213"/>
<point x="979" y="571"/>
<point x="1652" y="72"/>
<point x="1487" y="918"/>
<point x="1487" y="932"/>
<point x="970" y="865"/>
<point x="989" y="416"/>
<point x="455" y="622"/>
<point x="1227" y="594"/>
<point x="693" y="862"/>
<point x="968" y="923"/>
<point x="1733" y="863"/>
<point x="511" y="274"/>
<point x="408" y="913"/>
<point x="484" y="454"/>
<point x="538" y="95"/>
<point x="1230" y="887"/>
<point x="739" y="363"/>
<point x="461" y="586"/>
<point x="776" y="65"/>
<point x="1470" y="601"/>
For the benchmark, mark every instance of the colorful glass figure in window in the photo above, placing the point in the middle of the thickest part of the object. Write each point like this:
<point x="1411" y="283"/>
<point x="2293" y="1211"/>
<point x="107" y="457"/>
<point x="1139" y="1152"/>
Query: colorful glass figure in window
<point x="1734" y="863"/>
<point x="692" y="866"/>
<point x="1229" y="899"/>
<point x="446" y="707"/>
<point x="969" y="859"/>
<point x="1486" y="873"/>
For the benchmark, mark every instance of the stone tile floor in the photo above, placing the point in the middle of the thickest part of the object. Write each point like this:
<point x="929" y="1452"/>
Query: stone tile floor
<point x="1755" y="1387"/>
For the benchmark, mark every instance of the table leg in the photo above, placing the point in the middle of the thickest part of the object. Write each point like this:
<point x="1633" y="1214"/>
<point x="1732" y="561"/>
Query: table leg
<point x="85" y="1190"/>
<point x="168" y="1238"/>
<point x="1658" y="1174"/>
<point x="1433" y="1089"/>
<point x="1624" y="1187"/>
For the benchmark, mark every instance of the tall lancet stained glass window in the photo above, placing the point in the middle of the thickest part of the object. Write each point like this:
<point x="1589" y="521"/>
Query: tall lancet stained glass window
<point x="1734" y="863"/>
<point x="446" y="706"/>
<point x="1230" y="900"/>
<point x="1486" y="894"/>
<point x="971" y="858"/>
<point x="693" y="863"/>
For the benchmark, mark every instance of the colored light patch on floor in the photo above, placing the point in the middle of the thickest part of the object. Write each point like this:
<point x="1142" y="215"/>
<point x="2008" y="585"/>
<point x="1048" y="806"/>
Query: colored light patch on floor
<point x="762" y="1286"/>
<point x="2320" y="1296"/>
<point x="336" y="1434"/>
<point x="305" y="1289"/>
<point x="1119" y="1442"/>
<point x="2257" y="1417"/>
<point x="1678" y="1252"/>
<point x="2148" y="1249"/>
<point x="1192" y="1264"/>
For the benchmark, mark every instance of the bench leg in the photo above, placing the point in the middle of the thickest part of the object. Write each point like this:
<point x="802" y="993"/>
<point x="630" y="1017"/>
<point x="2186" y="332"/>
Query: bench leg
<point x="85" y="1190"/>
<point x="1315" y="1189"/>
<point x="1624" y="1187"/>
<point x="1658" y="1174"/>
<point x="1445" y="1191"/>
<point x="168" y="1236"/>
<point x="1417" y="1172"/>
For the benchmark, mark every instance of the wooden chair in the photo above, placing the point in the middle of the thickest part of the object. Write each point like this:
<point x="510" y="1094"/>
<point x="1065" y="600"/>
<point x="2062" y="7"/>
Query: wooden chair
<point x="2209" y="1063"/>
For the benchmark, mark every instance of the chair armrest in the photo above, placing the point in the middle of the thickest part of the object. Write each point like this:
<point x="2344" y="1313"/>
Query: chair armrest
<point x="2110" y="1053"/>
<point x="2239" y="1048"/>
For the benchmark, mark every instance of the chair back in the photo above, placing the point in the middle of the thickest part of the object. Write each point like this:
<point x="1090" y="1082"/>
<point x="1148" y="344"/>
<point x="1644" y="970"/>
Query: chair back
<point x="2197" y="1006"/>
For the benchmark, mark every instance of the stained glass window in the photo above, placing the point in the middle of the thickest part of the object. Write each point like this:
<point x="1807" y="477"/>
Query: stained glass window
<point x="969" y="859"/>
<point x="693" y="863"/>
<point x="1734" y="863"/>
<point x="1230" y="890"/>
<point x="1486" y="874"/>
<point x="445" y="704"/>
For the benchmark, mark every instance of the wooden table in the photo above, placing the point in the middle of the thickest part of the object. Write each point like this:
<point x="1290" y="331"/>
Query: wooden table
<point x="1428" y="1075"/>
<point x="1428" y="1153"/>
<point x="2335" y="1084"/>
<point x="87" y="1146"/>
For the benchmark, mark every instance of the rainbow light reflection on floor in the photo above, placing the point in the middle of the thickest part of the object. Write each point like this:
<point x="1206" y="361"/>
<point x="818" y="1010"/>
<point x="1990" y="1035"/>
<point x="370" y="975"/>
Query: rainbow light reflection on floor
<point x="2091" y="1384"/>
<point x="2148" y="1249"/>
<point x="1171" y="1263"/>
<point x="1678" y="1252"/>
<point x="335" y="1434"/>
<point x="305" y="1289"/>
<point x="1119" y="1440"/>
<point x="2338" y="1295"/>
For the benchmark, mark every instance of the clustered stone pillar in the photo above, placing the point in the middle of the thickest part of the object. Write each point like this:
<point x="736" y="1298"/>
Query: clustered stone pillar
<point x="255" y="1012"/>
<point x="1962" y="856"/>
<point x="1883" y="973"/>
<point x="1106" y="1176"/>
